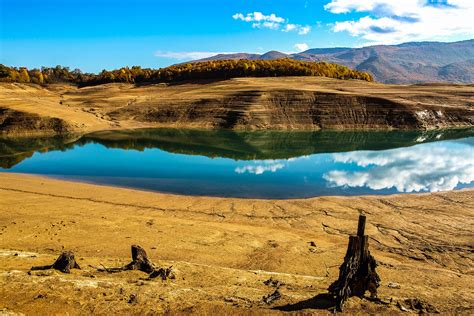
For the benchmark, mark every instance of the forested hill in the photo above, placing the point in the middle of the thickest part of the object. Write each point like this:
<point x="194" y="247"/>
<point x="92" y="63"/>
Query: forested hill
<point x="208" y="70"/>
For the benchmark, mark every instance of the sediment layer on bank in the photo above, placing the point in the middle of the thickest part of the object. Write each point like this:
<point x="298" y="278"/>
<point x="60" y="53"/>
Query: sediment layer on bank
<point x="293" y="103"/>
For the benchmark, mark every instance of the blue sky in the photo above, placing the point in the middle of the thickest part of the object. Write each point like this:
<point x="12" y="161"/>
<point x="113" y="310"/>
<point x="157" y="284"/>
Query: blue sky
<point x="102" y="34"/>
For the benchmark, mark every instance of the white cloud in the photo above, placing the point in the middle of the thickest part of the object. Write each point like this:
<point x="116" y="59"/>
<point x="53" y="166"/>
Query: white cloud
<point x="414" y="169"/>
<point x="290" y="27"/>
<point x="258" y="17"/>
<point x="187" y="55"/>
<point x="391" y="22"/>
<point x="267" y="24"/>
<point x="303" y="30"/>
<point x="301" y="47"/>
<point x="271" y="21"/>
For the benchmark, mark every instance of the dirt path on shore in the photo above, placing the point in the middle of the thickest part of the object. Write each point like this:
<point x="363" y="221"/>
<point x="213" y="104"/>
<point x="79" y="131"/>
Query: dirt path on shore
<point x="224" y="249"/>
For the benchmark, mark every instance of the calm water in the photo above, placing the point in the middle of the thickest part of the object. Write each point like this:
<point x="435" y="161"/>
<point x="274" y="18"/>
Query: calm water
<point x="253" y="164"/>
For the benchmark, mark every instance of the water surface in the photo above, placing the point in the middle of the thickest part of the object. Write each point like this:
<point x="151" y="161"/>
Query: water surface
<point x="253" y="164"/>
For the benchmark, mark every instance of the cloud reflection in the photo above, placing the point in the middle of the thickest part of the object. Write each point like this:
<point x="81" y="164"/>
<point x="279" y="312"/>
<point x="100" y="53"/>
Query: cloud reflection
<point x="430" y="167"/>
<point x="259" y="169"/>
<point x="270" y="165"/>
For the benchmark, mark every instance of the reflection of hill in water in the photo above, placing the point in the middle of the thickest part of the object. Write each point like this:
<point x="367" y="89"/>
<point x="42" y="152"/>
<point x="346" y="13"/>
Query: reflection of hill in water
<point x="264" y="144"/>
<point x="15" y="150"/>
<point x="228" y="144"/>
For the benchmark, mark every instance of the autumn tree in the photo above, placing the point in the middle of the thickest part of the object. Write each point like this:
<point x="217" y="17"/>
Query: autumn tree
<point x="36" y="76"/>
<point x="23" y="77"/>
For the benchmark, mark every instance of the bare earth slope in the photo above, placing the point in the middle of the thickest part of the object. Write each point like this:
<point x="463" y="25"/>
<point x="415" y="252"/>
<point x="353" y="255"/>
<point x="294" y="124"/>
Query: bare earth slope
<point x="224" y="249"/>
<point x="244" y="103"/>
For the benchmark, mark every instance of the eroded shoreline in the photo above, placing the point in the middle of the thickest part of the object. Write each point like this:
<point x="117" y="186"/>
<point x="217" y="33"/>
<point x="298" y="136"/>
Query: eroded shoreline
<point x="285" y="103"/>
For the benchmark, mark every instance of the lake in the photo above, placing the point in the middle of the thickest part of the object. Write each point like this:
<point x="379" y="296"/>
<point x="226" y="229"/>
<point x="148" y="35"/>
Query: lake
<point x="261" y="164"/>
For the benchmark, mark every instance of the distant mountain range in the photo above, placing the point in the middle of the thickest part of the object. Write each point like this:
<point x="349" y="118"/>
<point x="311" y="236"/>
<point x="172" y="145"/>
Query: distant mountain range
<point x="414" y="62"/>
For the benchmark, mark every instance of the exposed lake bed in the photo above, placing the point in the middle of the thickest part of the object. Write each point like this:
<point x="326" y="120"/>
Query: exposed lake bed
<point x="225" y="249"/>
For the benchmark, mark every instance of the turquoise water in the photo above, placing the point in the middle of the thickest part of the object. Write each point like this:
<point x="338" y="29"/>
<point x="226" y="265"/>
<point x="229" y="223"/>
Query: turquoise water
<point x="253" y="164"/>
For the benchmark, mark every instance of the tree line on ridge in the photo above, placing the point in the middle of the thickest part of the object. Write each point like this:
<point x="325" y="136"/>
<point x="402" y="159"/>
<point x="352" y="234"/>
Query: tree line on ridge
<point x="208" y="70"/>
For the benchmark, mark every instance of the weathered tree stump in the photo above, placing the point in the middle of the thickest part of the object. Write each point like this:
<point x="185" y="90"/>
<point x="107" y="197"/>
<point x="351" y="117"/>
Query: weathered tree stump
<point x="64" y="263"/>
<point x="141" y="262"/>
<point x="357" y="273"/>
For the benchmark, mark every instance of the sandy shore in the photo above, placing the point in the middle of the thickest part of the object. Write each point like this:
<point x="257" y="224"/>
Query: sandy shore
<point x="224" y="249"/>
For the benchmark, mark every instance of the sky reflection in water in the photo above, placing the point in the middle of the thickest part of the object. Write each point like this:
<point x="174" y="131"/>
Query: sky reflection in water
<point x="426" y="167"/>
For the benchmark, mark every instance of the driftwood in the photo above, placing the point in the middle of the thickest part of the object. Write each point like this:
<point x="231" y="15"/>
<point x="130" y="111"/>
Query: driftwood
<point x="357" y="273"/>
<point x="268" y="299"/>
<point x="163" y="273"/>
<point x="64" y="263"/>
<point x="141" y="262"/>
